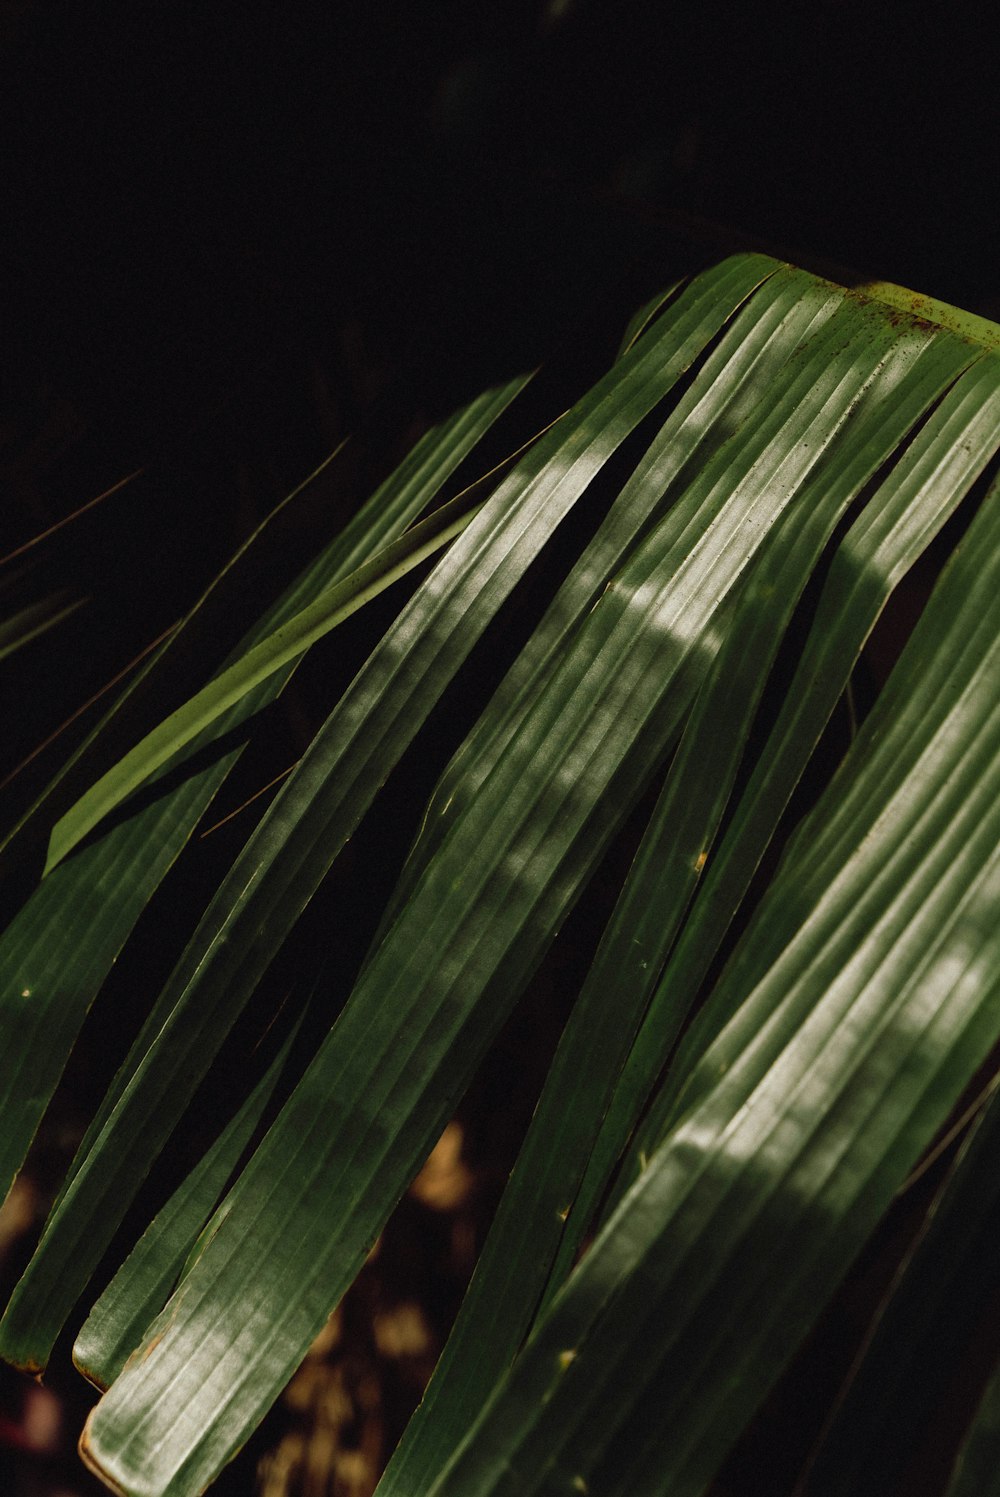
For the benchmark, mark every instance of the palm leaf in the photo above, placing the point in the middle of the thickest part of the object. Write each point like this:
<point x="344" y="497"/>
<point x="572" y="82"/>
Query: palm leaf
<point x="789" y="450"/>
<point x="145" y="1280"/>
<point x="911" y="505"/>
<point x="323" y="801"/>
<point x="286" y="644"/>
<point x="674" y="852"/>
<point x="61" y="945"/>
<point x="824" y="1087"/>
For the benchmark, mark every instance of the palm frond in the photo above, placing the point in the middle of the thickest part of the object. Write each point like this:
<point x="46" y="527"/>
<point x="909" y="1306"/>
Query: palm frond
<point x="754" y="1063"/>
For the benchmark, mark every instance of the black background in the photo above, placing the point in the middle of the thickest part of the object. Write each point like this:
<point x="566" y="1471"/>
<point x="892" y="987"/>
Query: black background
<point x="200" y="200"/>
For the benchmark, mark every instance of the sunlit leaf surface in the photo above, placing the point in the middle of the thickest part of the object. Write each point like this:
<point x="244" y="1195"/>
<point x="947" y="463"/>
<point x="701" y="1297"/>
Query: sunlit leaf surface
<point x="789" y="998"/>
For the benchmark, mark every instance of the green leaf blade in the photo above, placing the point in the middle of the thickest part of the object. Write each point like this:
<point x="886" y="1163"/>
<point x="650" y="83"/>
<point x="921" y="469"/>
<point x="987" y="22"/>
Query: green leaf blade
<point x="139" y="1289"/>
<point x="58" y="950"/>
<point x="911" y="507"/>
<point x="472" y="935"/>
<point x="530" y="1228"/>
<point x="322" y="801"/>
<point x="635" y="1380"/>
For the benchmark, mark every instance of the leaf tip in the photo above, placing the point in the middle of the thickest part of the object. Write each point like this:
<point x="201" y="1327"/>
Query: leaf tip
<point x="81" y="1362"/>
<point x="91" y="1461"/>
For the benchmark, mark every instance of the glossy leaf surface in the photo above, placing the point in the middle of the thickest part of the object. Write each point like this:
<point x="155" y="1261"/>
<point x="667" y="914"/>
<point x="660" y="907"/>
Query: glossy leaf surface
<point x="59" y="948"/>
<point x="764" y="462"/>
<point x="821" y="1092"/>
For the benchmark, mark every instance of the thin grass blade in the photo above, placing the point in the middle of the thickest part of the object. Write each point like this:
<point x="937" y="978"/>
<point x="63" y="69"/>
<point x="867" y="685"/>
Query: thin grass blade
<point x="284" y="646"/>
<point x="33" y="620"/>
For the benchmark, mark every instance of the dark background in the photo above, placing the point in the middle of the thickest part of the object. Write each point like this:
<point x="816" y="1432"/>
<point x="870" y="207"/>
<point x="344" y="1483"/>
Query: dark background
<point x="202" y="203"/>
<point x="233" y="234"/>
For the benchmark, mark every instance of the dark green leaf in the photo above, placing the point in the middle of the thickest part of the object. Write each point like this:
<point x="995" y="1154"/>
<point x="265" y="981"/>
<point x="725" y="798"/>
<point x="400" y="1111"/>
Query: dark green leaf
<point x="909" y="508"/>
<point x="145" y="1280"/>
<point x="529" y="1229"/>
<point x="323" y="800"/>
<point x="866" y="1011"/>
<point x="57" y="952"/>
<point x="490" y="900"/>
